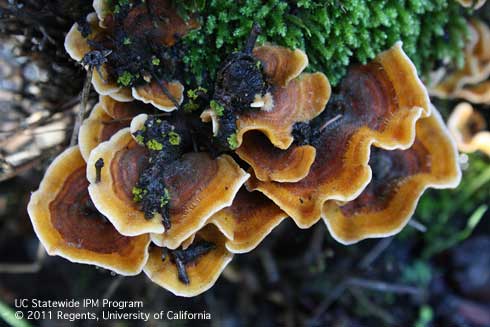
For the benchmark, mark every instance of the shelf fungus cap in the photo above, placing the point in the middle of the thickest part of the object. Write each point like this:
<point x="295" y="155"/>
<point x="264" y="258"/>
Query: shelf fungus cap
<point x="400" y="178"/>
<point x="281" y="65"/>
<point x="76" y="44"/>
<point x="476" y="67"/>
<point x="202" y="273"/>
<point x="153" y="93"/>
<point x="273" y="164"/>
<point x="123" y="161"/>
<point x="301" y="100"/>
<point x="378" y="103"/>
<point x="199" y="186"/>
<point x="68" y="226"/>
<point x="477" y="93"/>
<point x="102" y="9"/>
<point x="245" y="223"/>
<point x="122" y="109"/>
<point x="475" y="4"/>
<point x="77" y="47"/>
<point x="468" y="127"/>
<point x="294" y="97"/>
<point x="97" y="128"/>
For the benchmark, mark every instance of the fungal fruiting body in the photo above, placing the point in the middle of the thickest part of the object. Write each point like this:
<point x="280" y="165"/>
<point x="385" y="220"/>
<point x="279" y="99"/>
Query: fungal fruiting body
<point x="471" y="81"/>
<point x="469" y="129"/>
<point x="133" y="48"/>
<point x="178" y="179"/>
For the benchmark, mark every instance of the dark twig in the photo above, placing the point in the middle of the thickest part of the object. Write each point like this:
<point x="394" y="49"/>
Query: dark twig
<point x="252" y="39"/>
<point x="381" y="286"/>
<point x="327" y="302"/>
<point x="375" y="252"/>
<point x="99" y="164"/>
<point x="377" y="311"/>
<point x="83" y="105"/>
<point x="165" y="90"/>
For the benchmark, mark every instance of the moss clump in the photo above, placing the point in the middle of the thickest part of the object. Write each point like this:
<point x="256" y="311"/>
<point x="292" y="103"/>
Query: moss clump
<point x="165" y="199"/>
<point x="154" y="145"/>
<point x="173" y="138"/>
<point x="333" y="33"/>
<point x="232" y="141"/>
<point x="125" y="79"/>
<point x="217" y="108"/>
<point x="138" y="194"/>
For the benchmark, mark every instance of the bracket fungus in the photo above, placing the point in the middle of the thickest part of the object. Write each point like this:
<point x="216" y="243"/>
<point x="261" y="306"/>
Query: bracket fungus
<point x="171" y="180"/>
<point x="284" y="96"/>
<point x="475" y="4"/>
<point x="191" y="271"/>
<point x="476" y="67"/>
<point x="469" y="129"/>
<point x="399" y="179"/>
<point x="133" y="46"/>
<point x="477" y="93"/>
<point x="262" y="89"/>
<point x="302" y="98"/>
<point x="68" y="224"/>
<point x="378" y="103"/>
<point x="270" y="163"/>
<point x="249" y="219"/>
<point x="198" y="186"/>
<point x="120" y="110"/>
<point x="98" y="127"/>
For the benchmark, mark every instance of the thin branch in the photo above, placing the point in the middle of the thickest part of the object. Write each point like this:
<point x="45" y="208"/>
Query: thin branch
<point x="381" y="286"/>
<point x="417" y="225"/>
<point x="83" y="105"/>
<point x="333" y="296"/>
<point x="375" y="252"/>
<point x="374" y="309"/>
<point x="270" y="265"/>
<point x="330" y="121"/>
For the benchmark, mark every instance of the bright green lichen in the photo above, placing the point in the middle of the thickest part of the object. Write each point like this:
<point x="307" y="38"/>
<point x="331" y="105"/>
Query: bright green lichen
<point x="154" y="145"/>
<point x="173" y="138"/>
<point x="217" y="108"/>
<point x="140" y="139"/>
<point x="165" y="199"/>
<point x="232" y="141"/>
<point x="333" y="33"/>
<point x="138" y="194"/>
<point x="193" y="94"/>
<point x="125" y="79"/>
<point x="155" y="61"/>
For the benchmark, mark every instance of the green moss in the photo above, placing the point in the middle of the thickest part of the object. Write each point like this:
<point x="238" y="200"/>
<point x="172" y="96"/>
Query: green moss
<point x="333" y="33"/>
<point x="138" y="194"/>
<point x="165" y="199"/>
<point x="217" y="108"/>
<point x="155" y="61"/>
<point x="193" y="94"/>
<point x="232" y="141"/>
<point x="190" y="106"/>
<point x="140" y="139"/>
<point x="173" y="138"/>
<point x="125" y="79"/>
<point x="154" y="145"/>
